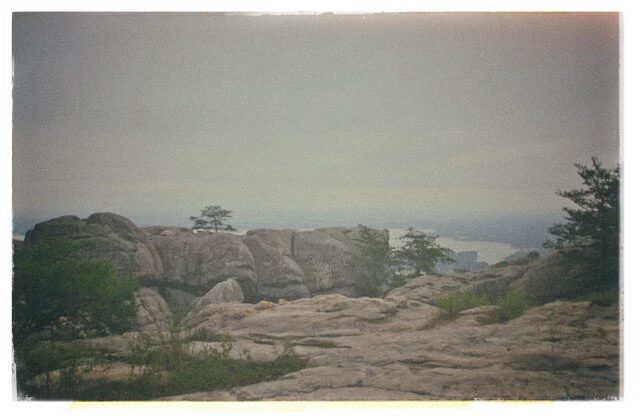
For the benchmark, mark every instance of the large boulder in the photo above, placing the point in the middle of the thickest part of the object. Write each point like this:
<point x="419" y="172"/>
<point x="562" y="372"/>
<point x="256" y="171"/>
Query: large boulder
<point x="278" y="275"/>
<point x="112" y="238"/>
<point x="196" y="262"/>
<point x="490" y="283"/>
<point x="228" y="291"/>
<point x="349" y="236"/>
<point x="327" y="263"/>
<point x="550" y="278"/>
<point x="153" y="311"/>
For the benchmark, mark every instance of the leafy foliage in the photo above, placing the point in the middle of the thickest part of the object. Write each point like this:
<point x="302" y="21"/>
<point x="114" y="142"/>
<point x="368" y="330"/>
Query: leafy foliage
<point x="53" y="289"/>
<point x="375" y="264"/>
<point x="511" y="306"/>
<point x="420" y="252"/>
<point x="591" y="234"/>
<point x="213" y="217"/>
<point x="457" y="301"/>
<point x="380" y="268"/>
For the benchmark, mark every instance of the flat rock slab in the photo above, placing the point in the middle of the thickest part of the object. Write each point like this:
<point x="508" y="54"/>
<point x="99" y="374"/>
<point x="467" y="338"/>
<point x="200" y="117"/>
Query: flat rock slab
<point x="366" y="349"/>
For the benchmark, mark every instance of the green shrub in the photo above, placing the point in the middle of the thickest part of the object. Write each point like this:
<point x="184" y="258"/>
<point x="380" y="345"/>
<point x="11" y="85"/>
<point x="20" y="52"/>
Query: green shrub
<point x="603" y="298"/>
<point x="54" y="289"/>
<point x="511" y="306"/>
<point x="453" y="303"/>
<point x="170" y="367"/>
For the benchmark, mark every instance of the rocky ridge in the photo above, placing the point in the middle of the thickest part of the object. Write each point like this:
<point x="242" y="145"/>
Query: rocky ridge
<point x="394" y="348"/>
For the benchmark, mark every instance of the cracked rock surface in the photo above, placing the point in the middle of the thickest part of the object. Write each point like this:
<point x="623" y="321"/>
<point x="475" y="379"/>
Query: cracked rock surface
<point x="390" y="349"/>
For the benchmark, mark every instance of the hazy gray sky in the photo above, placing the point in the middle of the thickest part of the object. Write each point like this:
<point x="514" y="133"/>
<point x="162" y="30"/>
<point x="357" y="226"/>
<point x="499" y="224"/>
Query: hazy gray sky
<point x="298" y="119"/>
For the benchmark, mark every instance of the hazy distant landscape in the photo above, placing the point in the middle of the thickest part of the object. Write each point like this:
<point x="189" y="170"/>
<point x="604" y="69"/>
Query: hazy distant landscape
<point x="228" y="206"/>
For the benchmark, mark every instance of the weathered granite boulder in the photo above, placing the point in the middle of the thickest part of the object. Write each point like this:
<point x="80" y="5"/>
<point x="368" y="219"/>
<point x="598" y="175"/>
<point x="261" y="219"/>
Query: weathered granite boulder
<point x="491" y="283"/>
<point x="350" y="235"/>
<point x="179" y="301"/>
<point x="327" y="263"/>
<point x="197" y="262"/>
<point x="549" y="278"/>
<point x="225" y="292"/>
<point x="112" y="238"/>
<point x="153" y="312"/>
<point x="278" y="275"/>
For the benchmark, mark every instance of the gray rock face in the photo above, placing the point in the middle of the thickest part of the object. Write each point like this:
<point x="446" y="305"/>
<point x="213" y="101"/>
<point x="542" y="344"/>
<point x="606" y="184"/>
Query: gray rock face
<point x="197" y="262"/>
<point x="278" y="275"/>
<point x="327" y="262"/>
<point x="549" y="278"/>
<point x="179" y="300"/>
<point x="492" y="283"/>
<point x="228" y="291"/>
<point x="268" y="264"/>
<point x="153" y="312"/>
<point x="114" y="239"/>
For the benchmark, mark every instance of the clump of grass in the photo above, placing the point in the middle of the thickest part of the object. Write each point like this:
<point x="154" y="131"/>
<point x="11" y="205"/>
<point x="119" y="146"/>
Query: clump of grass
<point x="171" y="367"/>
<point x="511" y="306"/>
<point x="603" y="298"/>
<point x="455" y="302"/>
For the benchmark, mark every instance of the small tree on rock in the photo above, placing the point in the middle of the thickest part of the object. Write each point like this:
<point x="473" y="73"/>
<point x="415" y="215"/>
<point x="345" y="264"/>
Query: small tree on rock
<point x="420" y="252"/>
<point x="212" y="217"/>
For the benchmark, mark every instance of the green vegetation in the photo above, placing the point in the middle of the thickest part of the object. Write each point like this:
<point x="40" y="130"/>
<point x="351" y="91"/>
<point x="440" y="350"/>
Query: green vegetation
<point x="375" y="264"/>
<point x="379" y="268"/>
<point x="603" y="298"/>
<point x="212" y="217"/>
<point x="510" y="307"/>
<point x="457" y="301"/>
<point x="590" y="237"/>
<point x="54" y="290"/>
<point x="420" y="252"/>
<point x="158" y="368"/>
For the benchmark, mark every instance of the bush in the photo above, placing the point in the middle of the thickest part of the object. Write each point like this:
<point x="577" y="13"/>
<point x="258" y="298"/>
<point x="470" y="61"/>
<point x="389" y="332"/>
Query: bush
<point x="603" y="298"/>
<point x="169" y="366"/>
<point x="54" y="289"/>
<point x="511" y="306"/>
<point x="375" y="266"/>
<point x="455" y="302"/>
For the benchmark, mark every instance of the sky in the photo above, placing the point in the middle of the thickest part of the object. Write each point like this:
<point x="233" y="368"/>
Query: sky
<point x="465" y="121"/>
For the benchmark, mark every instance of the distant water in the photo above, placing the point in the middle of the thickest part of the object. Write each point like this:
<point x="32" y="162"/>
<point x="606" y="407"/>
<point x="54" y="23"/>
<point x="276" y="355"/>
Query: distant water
<point x="489" y="251"/>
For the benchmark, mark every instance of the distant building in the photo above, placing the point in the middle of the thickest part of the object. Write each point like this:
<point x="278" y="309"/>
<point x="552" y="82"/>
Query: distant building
<point x="464" y="261"/>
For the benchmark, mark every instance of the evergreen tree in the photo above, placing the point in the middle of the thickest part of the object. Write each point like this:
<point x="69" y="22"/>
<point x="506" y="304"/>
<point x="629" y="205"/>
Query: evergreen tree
<point x="212" y="217"/>
<point x="420" y="252"/>
<point x="591" y="233"/>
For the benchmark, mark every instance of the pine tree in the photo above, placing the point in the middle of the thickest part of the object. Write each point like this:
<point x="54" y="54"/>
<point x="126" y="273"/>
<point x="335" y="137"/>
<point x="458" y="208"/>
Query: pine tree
<point x="213" y="217"/>
<point x="592" y="231"/>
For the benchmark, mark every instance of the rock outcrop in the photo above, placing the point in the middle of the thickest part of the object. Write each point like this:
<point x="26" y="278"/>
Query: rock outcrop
<point x="197" y="262"/>
<point x="110" y="237"/>
<point x="278" y="275"/>
<point x="154" y="314"/>
<point x="326" y="256"/>
<point x="549" y="278"/>
<point x="385" y="349"/>
<point x="228" y="291"/>
<point x="399" y="347"/>
<point x="183" y="265"/>
<point x="491" y="283"/>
